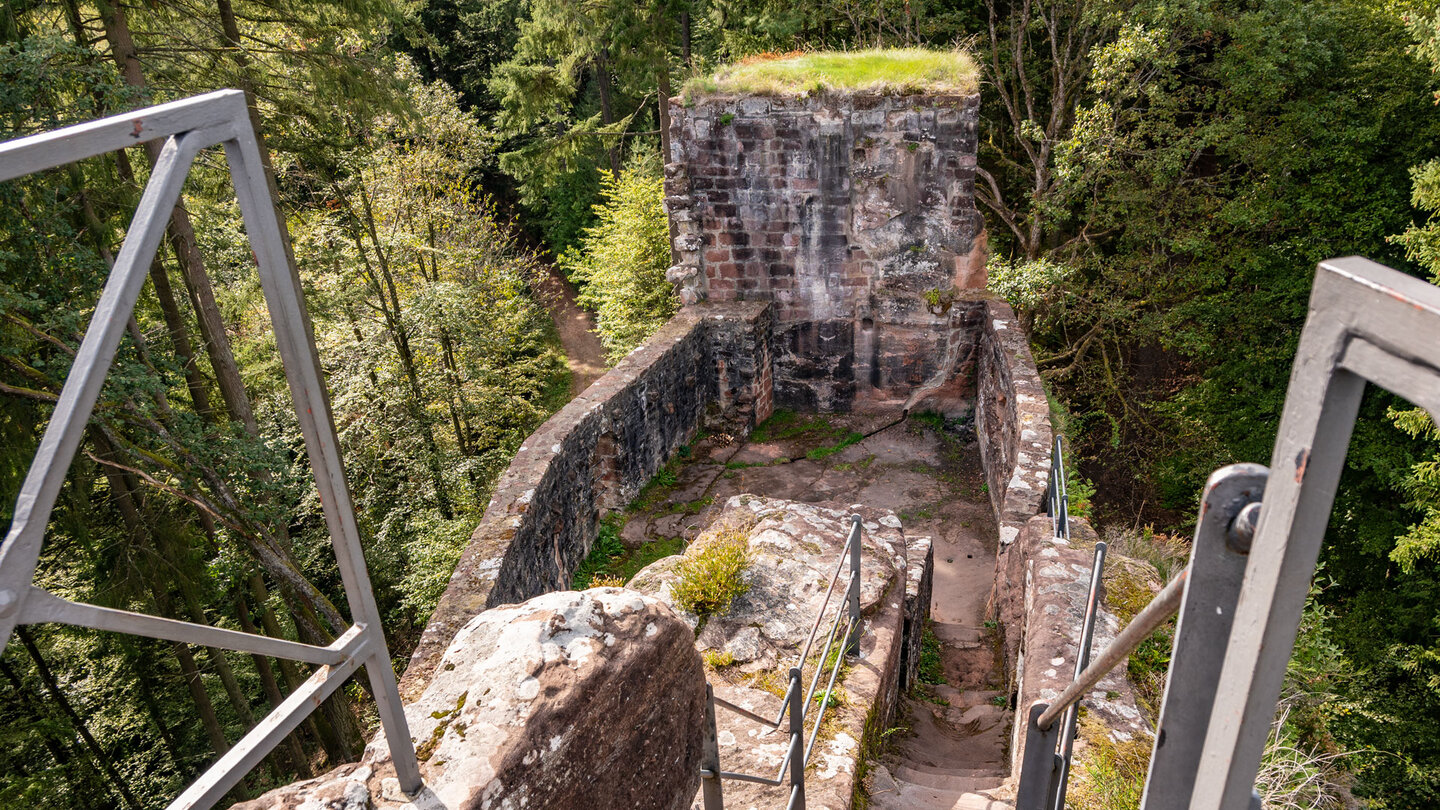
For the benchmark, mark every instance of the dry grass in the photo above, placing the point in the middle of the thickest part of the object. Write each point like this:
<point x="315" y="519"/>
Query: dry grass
<point x="885" y="70"/>
<point x="1108" y="775"/>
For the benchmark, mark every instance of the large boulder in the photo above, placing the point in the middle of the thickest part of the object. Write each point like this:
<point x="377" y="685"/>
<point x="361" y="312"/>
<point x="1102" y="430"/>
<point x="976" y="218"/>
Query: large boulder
<point x="569" y="700"/>
<point x="793" y="549"/>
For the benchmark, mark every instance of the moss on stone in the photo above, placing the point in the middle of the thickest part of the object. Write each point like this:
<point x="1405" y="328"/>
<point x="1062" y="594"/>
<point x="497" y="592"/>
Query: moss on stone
<point x="883" y="70"/>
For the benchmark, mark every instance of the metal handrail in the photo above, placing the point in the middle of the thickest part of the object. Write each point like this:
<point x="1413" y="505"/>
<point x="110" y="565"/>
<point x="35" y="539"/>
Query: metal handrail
<point x="1161" y="608"/>
<point x="1057" y="496"/>
<point x="1082" y="660"/>
<point x="797" y="756"/>
<point x="1044" y="771"/>
<point x="187" y="127"/>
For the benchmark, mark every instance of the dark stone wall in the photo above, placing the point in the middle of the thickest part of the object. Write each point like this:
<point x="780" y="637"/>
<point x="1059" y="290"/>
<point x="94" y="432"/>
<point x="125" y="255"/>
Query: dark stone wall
<point x="708" y="364"/>
<point x="854" y="214"/>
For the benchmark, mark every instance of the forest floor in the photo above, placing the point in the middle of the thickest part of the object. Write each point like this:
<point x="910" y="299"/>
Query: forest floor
<point x="584" y="353"/>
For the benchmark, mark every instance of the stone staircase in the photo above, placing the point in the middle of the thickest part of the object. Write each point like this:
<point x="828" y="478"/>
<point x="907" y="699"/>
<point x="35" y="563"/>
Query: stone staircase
<point x="955" y="754"/>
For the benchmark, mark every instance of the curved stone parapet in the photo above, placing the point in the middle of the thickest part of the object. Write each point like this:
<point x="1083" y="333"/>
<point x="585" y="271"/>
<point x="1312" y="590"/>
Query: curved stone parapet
<point x="708" y="363"/>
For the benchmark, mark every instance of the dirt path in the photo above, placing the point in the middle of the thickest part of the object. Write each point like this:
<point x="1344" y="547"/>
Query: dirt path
<point x="584" y="352"/>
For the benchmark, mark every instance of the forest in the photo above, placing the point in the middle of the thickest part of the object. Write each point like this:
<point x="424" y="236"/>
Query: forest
<point x="1158" y="178"/>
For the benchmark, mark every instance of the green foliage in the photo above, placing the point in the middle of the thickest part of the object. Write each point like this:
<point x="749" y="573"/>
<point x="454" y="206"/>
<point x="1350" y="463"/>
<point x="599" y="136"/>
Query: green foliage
<point x="709" y="579"/>
<point x="932" y="670"/>
<point x="1108" y="774"/>
<point x="826" y="451"/>
<point x="606" y="548"/>
<point x="622" y="259"/>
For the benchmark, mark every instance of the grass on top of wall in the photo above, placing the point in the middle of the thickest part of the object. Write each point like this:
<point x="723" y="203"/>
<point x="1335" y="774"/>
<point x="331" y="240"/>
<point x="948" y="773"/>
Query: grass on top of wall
<point x="883" y="70"/>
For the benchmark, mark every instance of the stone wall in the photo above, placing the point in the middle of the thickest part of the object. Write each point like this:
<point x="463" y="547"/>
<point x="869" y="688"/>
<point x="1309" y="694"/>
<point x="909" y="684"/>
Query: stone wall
<point x="1042" y="587"/>
<point x="1012" y="422"/>
<point x="709" y="362"/>
<point x="854" y="214"/>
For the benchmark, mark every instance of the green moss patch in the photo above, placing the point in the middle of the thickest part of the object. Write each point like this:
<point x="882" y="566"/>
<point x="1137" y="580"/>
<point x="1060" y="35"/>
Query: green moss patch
<point x="883" y="70"/>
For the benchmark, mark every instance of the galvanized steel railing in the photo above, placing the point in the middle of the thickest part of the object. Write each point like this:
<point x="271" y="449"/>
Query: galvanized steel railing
<point x="1057" y="499"/>
<point x="187" y="127"/>
<point x="1249" y="570"/>
<point x="798" y="754"/>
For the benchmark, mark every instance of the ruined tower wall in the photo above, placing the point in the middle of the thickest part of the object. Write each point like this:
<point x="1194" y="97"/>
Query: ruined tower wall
<point x="855" y="215"/>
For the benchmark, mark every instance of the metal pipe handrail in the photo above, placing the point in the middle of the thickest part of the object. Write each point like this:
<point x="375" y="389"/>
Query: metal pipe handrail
<point x="1082" y="660"/>
<point x="1161" y="608"/>
<point x="797" y="755"/>
<point x="1058" y="495"/>
<point x="825" y="702"/>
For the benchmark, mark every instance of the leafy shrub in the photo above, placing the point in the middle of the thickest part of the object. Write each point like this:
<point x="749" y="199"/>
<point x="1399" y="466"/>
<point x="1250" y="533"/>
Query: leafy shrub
<point x="607" y="547"/>
<point x="709" y="580"/>
<point x="621" y="261"/>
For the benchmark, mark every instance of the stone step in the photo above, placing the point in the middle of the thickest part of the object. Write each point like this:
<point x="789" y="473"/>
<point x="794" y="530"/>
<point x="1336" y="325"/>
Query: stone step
<point x="965" y="698"/>
<point x="995" y="773"/>
<point x="959" y="636"/>
<point x="959" y="780"/>
<point x="888" y="794"/>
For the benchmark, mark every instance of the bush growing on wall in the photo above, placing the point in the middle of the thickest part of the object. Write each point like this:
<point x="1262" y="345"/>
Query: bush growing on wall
<point x="621" y="262"/>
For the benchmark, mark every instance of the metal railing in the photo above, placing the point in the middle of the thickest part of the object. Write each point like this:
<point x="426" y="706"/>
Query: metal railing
<point x="1057" y="499"/>
<point x="1250" y="570"/>
<point x="187" y="127"/>
<point x="793" y="707"/>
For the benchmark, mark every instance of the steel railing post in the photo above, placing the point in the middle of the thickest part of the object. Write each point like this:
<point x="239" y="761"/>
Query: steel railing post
<point x="852" y="597"/>
<point x="710" y="756"/>
<point x="797" y="742"/>
<point x="1037" y="767"/>
<point x="1217" y="568"/>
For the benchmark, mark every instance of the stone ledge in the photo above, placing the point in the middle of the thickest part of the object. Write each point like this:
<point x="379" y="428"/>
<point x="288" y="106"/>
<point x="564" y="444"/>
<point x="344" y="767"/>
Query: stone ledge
<point x="596" y="453"/>
<point x="1041" y="600"/>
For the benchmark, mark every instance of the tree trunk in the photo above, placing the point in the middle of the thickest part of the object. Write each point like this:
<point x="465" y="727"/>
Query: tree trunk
<point x="52" y="686"/>
<point x="685" y="36"/>
<point x="662" y="72"/>
<point x="383" y="284"/>
<point x="291" y="748"/>
<point x="607" y="111"/>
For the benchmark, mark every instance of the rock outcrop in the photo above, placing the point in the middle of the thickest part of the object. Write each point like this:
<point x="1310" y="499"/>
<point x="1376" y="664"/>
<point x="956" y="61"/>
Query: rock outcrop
<point x="793" y="550"/>
<point x="569" y="700"/>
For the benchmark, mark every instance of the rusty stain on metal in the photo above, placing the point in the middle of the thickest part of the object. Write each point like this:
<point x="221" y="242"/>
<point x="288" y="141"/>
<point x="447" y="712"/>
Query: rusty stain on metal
<point x="1302" y="459"/>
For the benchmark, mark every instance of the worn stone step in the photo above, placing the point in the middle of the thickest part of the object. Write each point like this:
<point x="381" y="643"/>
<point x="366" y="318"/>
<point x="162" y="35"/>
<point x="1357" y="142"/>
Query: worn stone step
<point x="888" y="794"/>
<point x="933" y="776"/>
<point x="965" y="698"/>
<point x="959" y="636"/>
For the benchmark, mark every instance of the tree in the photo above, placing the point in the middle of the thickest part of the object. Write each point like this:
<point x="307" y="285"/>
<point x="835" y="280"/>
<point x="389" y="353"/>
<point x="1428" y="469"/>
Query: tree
<point x="622" y="259"/>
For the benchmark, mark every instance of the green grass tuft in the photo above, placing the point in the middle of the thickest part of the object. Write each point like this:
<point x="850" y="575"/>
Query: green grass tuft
<point x="606" y="548"/>
<point x="708" y="581"/>
<point x="885" y="70"/>
<point x="931" y="670"/>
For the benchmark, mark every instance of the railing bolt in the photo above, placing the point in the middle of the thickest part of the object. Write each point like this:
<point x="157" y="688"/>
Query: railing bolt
<point x="1242" y="528"/>
<point x="7" y="602"/>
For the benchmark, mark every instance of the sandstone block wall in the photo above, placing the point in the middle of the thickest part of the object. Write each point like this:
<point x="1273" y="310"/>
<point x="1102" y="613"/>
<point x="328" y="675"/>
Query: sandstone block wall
<point x="596" y="454"/>
<point x="1042" y="587"/>
<point x="1012" y="422"/>
<point x="854" y="214"/>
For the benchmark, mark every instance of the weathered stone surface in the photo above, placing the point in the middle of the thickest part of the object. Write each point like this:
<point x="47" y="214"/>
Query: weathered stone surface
<point x="794" y="549"/>
<point x="1040" y="596"/>
<point x="854" y="214"/>
<point x="596" y="454"/>
<point x="569" y="700"/>
<point x="1012" y="423"/>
